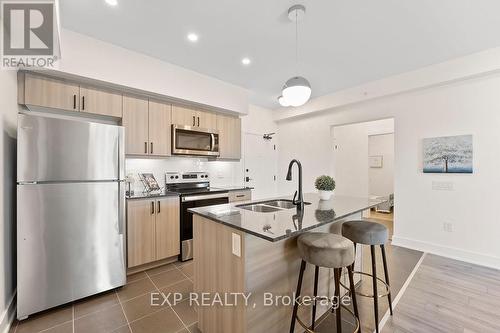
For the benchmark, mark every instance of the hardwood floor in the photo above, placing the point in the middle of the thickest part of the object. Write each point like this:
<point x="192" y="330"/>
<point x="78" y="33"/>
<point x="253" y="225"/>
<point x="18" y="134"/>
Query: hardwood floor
<point x="401" y="262"/>
<point x="447" y="295"/>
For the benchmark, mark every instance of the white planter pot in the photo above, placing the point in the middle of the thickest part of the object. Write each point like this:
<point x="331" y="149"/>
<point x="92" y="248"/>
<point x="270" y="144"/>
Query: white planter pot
<point x="325" y="195"/>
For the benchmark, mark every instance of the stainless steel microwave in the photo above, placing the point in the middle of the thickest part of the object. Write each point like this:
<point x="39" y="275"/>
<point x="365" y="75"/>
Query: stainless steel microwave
<point x="189" y="140"/>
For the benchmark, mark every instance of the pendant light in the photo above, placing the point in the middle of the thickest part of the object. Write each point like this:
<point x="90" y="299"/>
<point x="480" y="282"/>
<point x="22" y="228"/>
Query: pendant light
<point x="297" y="90"/>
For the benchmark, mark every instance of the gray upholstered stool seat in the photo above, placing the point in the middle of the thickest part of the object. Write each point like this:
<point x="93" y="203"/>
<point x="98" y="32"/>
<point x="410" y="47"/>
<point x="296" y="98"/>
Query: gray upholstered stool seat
<point x="365" y="232"/>
<point x="326" y="250"/>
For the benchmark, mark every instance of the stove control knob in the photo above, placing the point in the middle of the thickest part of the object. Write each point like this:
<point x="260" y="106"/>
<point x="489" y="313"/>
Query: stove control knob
<point x="176" y="177"/>
<point x="171" y="177"/>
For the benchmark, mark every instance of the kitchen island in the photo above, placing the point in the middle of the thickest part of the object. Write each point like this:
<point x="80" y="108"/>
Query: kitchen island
<point x="245" y="256"/>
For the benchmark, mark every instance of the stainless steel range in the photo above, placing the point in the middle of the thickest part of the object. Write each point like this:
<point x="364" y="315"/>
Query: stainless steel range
<point x="194" y="191"/>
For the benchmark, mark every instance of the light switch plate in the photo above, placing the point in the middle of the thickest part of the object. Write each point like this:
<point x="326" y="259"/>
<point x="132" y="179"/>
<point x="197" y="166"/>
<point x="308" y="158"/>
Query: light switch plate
<point x="236" y="245"/>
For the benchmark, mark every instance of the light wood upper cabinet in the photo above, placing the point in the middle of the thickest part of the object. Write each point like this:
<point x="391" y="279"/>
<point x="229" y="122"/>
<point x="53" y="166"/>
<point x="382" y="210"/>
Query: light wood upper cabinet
<point x="229" y="136"/>
<point x="167" y="227"/>
<point x="48" y="92"/>
<point x="141" y="238"/>
<point x="100" y="102"/>
<point x="183" y="116"/>
<point x="194" y="118"/>
<point x="136" y="122"/>
<point x="159" y="128"/>
<point x="152" y="229"/>
<point x="206" y="120"/>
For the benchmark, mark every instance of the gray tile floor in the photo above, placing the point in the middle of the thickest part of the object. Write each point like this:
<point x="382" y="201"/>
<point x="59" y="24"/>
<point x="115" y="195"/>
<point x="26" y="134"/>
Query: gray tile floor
<point x="127" y="309"/>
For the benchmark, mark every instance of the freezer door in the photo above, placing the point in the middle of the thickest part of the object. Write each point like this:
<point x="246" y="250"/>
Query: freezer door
<point x="51" y="149"/>
<point x="70" y="243"/>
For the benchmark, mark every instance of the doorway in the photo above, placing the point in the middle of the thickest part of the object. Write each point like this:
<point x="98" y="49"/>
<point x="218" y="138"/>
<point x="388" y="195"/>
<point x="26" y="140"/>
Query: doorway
<point x="260" y="165"/>
<point x="363" y="165"/>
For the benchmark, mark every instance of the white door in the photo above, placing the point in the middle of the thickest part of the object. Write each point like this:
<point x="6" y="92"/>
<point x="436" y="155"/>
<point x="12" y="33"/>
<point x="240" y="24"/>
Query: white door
<point x="260" y="163"/>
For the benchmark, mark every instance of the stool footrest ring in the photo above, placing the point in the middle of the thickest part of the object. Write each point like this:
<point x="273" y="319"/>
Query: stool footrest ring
<point x="308" y="330"/>
<point x="387" y="287"/>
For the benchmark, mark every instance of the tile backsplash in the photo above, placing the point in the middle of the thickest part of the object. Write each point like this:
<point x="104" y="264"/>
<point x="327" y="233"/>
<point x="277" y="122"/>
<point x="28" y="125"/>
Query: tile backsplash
<point x="222" y="173"/>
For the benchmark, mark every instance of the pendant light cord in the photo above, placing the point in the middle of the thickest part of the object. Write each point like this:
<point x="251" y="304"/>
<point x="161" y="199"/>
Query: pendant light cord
<point x="296" y="42"/>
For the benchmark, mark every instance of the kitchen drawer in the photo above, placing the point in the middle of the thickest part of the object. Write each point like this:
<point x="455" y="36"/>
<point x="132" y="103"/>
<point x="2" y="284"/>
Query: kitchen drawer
<point x="240" y="195"/>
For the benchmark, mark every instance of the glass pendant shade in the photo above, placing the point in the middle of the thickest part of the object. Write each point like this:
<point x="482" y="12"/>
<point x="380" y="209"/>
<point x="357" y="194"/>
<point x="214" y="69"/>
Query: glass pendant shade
<point x="296" y="91"/>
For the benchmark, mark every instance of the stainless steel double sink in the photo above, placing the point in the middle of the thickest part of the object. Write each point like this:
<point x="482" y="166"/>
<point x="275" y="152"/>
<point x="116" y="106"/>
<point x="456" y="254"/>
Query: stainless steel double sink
<point x="269" y="206"/>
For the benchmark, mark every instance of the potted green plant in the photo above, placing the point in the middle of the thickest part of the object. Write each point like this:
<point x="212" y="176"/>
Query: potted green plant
<point x="325" y="185"/>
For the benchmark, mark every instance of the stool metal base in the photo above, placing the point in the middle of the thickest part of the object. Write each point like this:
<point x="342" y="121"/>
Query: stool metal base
<point x="309" y="330"/>
<point x="387" y="287"/>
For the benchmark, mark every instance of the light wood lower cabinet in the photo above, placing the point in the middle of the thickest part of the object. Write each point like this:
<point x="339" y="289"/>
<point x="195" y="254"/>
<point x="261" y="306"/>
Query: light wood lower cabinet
<point x="167" y="227"/>
<point x="229" y="136"/>
<point x="242" y="195"/>
<point x="140" y="232"/>
<point x="152" y="230"/>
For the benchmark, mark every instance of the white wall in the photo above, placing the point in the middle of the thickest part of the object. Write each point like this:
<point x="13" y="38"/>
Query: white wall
<point x="8" y="123"/>
<point x="381" y="180"/>
<point x="89" y="57"/>
<point x="350" y="155"/>
<point x="464" y="107"/>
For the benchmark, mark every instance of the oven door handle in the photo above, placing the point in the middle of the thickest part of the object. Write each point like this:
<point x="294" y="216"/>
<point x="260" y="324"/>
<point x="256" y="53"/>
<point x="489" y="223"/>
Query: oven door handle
<point x="204" y="197"/>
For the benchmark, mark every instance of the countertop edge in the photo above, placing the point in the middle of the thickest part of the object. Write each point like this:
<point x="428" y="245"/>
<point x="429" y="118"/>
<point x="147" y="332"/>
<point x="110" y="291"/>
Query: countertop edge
<point x="280" y="238"/>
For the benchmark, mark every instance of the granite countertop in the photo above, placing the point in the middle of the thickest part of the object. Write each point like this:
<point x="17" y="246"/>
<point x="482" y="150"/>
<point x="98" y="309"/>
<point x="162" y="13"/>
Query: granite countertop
<point x="145" y="195"/>
<point x="285" y="223"/>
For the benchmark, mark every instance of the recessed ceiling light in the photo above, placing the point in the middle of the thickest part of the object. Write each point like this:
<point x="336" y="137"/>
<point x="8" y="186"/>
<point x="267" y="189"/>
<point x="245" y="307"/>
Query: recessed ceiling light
<point x="246" y="61"/>
<point x="112" y="2"/>
<point x="192" y="37"/>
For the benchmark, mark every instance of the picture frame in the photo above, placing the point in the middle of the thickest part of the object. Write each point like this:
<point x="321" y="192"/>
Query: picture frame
<point x="149" y="182"/>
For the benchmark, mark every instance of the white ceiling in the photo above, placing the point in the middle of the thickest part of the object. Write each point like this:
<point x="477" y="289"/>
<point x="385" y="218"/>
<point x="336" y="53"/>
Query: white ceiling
<point x="343" y="43"/>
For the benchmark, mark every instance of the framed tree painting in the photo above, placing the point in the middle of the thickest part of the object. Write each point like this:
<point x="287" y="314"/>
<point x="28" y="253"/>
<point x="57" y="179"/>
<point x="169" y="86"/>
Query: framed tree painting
<point x="449" y="154"/>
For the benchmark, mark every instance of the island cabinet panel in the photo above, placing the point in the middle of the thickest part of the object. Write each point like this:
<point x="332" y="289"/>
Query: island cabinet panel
<point x="167" y="227"/>
<point x="218" y="270"/>
<point x="48" y="92"/>
<point x="229" y="137"/>
<point x="160" y="128"/>
<point x="264" y="268"/>
<point x="101" y="102"/>
<point x="140" y="232"/>
<point x="136" y="122"/>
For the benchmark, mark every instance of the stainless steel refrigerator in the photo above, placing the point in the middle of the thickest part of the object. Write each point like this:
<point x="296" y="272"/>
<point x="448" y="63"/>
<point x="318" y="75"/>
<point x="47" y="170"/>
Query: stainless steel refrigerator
<point x="70" y="211"/>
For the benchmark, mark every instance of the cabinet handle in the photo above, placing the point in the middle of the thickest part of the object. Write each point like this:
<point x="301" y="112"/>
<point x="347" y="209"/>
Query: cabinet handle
<point x="198" y="121"/>
<point x="158" y="207"/>
<point x="152" y="207"/>
<point x="240" y="195"/>
<point x="194" y="121"/>
<point x="151" y="151"/>
<point x="145" y="147"/>
<point x="83" y="102"/>
<point x="74" y="102"/>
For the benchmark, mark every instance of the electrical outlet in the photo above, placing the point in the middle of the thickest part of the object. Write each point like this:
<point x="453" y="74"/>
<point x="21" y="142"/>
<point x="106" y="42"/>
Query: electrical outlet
<point x="448" y="227"/>
<point x="236" y="245"/>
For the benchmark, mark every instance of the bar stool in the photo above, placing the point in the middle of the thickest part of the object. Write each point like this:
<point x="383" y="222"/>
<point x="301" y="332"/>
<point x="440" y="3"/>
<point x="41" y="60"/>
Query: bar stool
<point x="370" y="233"/>
<point x="329" y="251"/>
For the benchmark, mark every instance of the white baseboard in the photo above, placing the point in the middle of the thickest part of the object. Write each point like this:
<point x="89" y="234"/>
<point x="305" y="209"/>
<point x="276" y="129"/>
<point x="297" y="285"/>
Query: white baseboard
<point x="8" y="315"/>
<point x="449" y="252"/>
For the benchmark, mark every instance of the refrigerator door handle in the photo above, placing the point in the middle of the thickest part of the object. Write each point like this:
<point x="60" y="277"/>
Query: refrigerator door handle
<point x="121" y="207"/>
